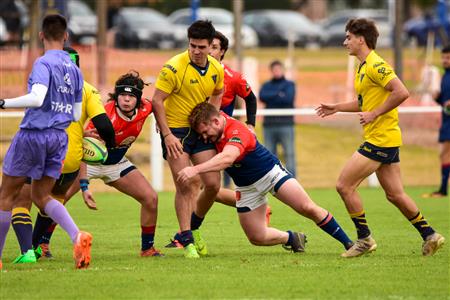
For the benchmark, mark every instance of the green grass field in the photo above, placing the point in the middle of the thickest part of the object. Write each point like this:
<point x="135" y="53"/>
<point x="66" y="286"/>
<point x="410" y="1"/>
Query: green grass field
<point x="236" y="269"/>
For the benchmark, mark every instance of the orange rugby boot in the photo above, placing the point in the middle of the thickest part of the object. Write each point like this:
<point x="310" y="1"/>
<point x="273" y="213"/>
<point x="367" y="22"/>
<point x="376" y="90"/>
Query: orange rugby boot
<point x="82" y="250"/>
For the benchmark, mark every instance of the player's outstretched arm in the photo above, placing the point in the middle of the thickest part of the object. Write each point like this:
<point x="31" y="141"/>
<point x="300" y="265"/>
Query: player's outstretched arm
<point x="219" y="162"/>
<point x="324" y="110"/>
<point x="33" y="99"/>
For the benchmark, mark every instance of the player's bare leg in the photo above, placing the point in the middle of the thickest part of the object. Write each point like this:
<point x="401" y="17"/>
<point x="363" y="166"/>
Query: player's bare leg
<point x="254" y="225"/>
<point x="184" y="200"/>
<point x="292" y="194"/>
<point x="389" y="176"/>
<point x="226" y="197"/>
<point x="135" y="185"/>
<point x="354" y="172"/>
<point x="211" y="186"/>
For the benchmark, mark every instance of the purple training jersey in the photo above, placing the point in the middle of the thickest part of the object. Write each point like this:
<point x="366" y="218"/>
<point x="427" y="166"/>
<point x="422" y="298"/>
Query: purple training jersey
<point x="65" y="83"/>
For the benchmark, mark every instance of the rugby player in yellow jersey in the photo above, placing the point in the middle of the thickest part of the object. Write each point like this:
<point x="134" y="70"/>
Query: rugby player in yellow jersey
<point x="92" y="108"/>
<point x="379" y="92"/>
<point x="186" y="80"/>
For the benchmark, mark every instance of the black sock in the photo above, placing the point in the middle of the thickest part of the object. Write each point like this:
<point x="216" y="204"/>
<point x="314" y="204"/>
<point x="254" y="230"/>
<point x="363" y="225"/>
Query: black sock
<point x="186" y="238"/>
<point x="196" y="221"/>
<point x="41" y="226"/>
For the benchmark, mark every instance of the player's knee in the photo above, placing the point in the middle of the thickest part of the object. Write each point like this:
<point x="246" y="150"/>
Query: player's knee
<point x="395" y="197"/>
<point x="343" y="189"/>
<point x="256" y="238"/>
<point x="212" y="187"/>
<point x="150" y="201"/>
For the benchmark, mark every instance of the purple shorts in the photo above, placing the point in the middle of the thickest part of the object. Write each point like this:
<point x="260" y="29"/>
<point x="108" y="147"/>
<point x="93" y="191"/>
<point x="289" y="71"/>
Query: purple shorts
<point x="36" y="153"/>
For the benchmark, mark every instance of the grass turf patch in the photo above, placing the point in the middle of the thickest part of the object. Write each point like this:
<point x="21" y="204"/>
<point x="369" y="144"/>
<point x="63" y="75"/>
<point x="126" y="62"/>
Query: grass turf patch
<point x="236" y="269"/>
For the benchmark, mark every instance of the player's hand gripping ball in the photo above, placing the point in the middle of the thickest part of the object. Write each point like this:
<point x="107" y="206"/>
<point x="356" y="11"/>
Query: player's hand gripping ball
<point x="94" y="151"/>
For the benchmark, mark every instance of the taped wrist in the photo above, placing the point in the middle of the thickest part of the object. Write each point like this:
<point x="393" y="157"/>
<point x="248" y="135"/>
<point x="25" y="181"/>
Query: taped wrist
<point x="84" y="185"/>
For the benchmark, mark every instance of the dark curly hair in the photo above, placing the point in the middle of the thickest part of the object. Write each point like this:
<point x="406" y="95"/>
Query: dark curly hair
<point x="130" y="79"/>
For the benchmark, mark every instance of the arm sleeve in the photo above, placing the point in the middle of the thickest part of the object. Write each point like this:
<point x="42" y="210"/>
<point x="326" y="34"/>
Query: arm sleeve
<point x="166" y="80"/>
<point x="34" y="99"/>
<point x="105" y="129"/>
<point x="77" y="106"/>
<point x="250" y="108"/>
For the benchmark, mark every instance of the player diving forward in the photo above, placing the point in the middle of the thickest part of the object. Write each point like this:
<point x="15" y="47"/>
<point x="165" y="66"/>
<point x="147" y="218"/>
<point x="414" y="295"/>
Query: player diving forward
<point x="255" y="172"/>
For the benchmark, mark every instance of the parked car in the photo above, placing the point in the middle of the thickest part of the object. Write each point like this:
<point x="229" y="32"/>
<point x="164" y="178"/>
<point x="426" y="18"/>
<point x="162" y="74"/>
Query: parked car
<point x="334" y="26"/>
<point x="222" y="20"/>
<point x="276" y="27"/>
<point x="82" y="22"/>
<point x="141" y="27"/>
<point x="418" y="29"/>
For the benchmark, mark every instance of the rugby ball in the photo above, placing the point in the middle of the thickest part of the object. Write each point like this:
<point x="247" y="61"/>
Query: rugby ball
<point x="94" y="152"/>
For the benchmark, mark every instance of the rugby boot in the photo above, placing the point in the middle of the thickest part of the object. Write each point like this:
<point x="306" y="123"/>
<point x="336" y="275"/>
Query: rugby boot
<point x="298" y="242"/>
<point x="436" y="194"/>
<point x="45" y="251"/>
<point x="82" y="250"/>
<point x="190" y="251"/>
<point x="151" y="252"/>
<point x="360" y="247"/>
<point x="199" y="243"/>
<point x="432" y="243"/>
<point x="27" y="257"/>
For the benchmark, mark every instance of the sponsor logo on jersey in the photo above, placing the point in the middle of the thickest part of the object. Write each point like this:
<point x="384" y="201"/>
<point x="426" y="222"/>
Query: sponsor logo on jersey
<point x="170" y="67"/>
<point x="67" y="79"/>
<point x="235" y="139"/>
<point x="61" y="107"/>
<point x="194" y="81"/>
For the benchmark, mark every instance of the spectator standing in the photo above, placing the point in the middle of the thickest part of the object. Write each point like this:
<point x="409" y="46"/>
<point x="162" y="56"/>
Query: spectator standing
<point x="279" y="130"/>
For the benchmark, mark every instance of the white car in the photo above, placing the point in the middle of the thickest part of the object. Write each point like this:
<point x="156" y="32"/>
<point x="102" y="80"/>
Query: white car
<point x="222" y="20"/>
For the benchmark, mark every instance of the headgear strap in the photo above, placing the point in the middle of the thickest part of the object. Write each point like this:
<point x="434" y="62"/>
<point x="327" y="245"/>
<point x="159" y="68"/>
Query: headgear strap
<point x="128" y="89"/>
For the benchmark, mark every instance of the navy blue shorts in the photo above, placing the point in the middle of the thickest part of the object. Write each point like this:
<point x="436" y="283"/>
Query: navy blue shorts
<point x="444" y="131"/>
<point x="191" y="141"/>
<point x="384" y="155"/>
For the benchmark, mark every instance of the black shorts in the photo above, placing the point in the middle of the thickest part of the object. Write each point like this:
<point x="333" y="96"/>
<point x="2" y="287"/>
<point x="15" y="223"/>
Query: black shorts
<point x="64" y="182"/>
<point x="384" y="155"/>
<point x="190" y="140"/>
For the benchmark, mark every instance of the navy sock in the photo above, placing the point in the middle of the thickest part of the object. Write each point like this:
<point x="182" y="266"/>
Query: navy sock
<point x="196" y="221"/>
<point x="21" y="222"/>
<point x="186" y="238"/>
<point x="445" y="171"/>
<point x="331" y="226"/>
<point x="45" y="238"/>
<point x="41" y="226"/>
<point x="291" y="236"/>
<point x="147" y="237"/>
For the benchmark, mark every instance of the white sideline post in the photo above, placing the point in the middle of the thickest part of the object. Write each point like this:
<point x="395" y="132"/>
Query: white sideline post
<point x="372" y="180"/>
<point x="156" y="159"/>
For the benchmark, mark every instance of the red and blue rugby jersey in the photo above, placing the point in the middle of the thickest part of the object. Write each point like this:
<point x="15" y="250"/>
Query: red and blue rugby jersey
<point x="234" y="85"/>
<point x="254" y="162"/>
<point x="126" y="130"/>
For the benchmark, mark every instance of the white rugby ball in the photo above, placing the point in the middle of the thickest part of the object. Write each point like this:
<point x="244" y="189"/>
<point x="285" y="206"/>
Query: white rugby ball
<point x="94" y="151"/>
